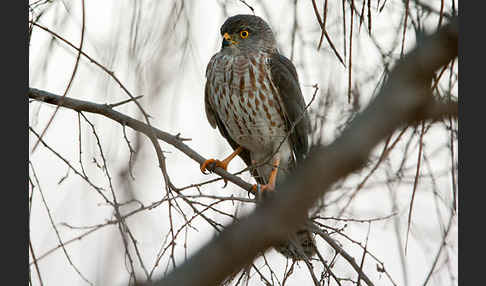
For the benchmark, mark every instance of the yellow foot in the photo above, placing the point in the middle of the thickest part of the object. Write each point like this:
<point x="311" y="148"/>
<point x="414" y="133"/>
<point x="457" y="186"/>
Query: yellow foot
<point x="216" y="163"/>
<point x="222" y="164"/>
<point x="257" y="188"/>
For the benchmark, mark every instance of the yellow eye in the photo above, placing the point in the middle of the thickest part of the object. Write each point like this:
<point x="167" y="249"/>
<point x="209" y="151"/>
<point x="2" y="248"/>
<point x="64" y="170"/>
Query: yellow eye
<point x="244" y="34"/>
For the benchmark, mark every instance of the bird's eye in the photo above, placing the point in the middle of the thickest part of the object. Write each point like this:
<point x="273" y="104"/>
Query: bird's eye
<point x="244" y="34"/>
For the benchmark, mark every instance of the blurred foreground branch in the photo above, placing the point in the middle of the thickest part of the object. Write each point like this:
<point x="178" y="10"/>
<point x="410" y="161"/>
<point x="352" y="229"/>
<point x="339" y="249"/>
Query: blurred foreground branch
<point x="404" y="99"/>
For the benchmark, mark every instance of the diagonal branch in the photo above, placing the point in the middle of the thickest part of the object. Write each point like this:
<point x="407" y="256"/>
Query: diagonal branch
<point x="402" y="100"/>
<point x="107" y="111"/>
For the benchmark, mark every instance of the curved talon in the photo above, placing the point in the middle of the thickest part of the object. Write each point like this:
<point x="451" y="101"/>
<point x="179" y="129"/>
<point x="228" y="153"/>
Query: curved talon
<point x="225" y="183"/>
<point x="222" y="164"/>
<point x="205" y="164"/>
<point x="211" y="161"/>
<point x="216" y="163"/>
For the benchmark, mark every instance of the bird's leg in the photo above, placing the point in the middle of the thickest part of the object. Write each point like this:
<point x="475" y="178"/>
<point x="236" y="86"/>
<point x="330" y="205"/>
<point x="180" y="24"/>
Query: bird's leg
<point x="222" y="164"/>
<point x="270" y="186"/>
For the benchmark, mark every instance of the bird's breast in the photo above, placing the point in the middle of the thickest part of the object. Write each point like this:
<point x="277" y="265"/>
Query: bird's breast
<point x="247" y="101"/>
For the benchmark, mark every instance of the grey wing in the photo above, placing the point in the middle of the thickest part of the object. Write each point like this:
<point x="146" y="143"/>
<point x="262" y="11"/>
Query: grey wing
<point x="285" y="78"/>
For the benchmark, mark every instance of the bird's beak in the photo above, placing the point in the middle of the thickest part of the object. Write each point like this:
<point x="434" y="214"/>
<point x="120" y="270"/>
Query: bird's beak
<point x="228" y="41"/>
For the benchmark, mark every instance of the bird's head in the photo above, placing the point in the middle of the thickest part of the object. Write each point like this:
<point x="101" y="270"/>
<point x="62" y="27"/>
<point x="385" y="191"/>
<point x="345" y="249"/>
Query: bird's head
<point x="244" y="33"/>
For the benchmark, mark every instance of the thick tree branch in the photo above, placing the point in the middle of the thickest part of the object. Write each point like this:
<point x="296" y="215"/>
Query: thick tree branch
<point x="403" y="100"/>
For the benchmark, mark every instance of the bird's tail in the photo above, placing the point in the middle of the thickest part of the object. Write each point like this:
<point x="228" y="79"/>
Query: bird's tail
<point x="300" y="245"/>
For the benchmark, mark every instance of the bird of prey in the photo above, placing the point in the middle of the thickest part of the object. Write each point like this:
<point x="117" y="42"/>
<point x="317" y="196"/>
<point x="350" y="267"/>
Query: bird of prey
<point x="252" y="95"/>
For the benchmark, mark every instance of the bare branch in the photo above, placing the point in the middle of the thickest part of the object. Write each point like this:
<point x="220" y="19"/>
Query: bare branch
<point x="401" y="101"/>
<point x="103" y="109"/>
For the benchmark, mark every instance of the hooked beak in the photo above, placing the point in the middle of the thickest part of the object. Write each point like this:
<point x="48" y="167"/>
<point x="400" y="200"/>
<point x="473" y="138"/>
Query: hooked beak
<point x="228" y="41"/>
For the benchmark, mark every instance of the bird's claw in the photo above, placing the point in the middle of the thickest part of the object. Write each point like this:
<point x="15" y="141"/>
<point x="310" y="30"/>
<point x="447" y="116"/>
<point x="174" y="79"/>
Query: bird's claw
<point x="212" y="164"/>
<point x="205" y="165"/>
<point x="225" y="183"/>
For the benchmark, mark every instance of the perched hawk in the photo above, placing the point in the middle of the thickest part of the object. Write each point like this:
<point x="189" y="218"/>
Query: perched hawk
<point x="252" y="96"/>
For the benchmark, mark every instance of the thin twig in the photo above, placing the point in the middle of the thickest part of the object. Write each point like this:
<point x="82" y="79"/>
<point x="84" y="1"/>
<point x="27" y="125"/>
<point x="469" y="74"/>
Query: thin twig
<point x="53" y="224"/>
<point x="415" y="183"/>
<point x="35" y="263"/>
<point x="75" y="69"/>
<point x="343" y="253"/>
